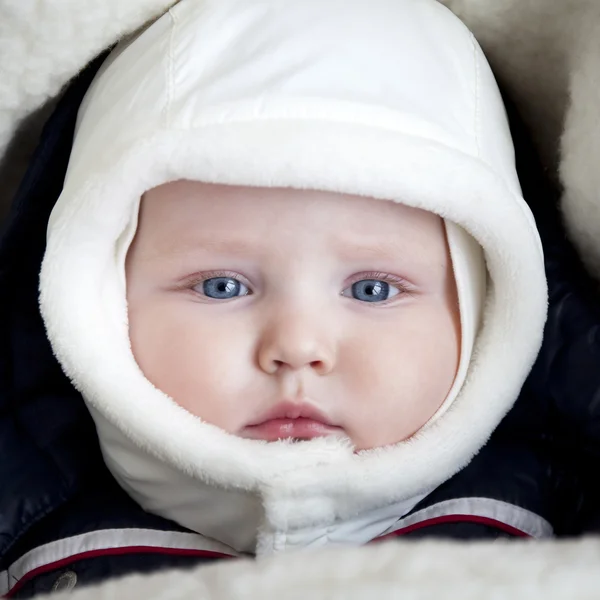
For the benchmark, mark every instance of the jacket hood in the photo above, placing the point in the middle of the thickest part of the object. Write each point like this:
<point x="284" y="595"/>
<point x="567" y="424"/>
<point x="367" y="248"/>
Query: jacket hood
<point x="392" y="100"/>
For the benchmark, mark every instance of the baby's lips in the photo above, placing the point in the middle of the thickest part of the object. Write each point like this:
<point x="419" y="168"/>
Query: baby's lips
<point x="289" y="419"/>
<point x="286" y="428"/>
<point x="289" y="409"/>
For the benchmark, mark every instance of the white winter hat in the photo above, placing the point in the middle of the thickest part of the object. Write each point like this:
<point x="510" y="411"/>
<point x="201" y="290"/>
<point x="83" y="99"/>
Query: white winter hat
<point x="397" y="95"/>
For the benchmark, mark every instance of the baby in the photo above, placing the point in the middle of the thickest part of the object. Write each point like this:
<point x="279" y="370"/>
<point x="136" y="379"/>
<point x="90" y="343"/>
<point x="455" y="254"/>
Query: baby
<point x="293" y="222"/>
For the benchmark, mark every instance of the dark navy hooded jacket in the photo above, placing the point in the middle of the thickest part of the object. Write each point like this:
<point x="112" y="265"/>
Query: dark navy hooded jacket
<point x="63" y="519"/>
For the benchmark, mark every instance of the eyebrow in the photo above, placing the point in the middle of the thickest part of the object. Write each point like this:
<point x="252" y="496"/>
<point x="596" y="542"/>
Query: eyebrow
<point x="189" y="246"/>
<point x="385" y="249"/>
<point x="390" y="248"/>
<point x="378" y="249"/>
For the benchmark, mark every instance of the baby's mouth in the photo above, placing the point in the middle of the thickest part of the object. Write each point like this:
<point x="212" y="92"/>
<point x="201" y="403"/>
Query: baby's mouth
<point x="290" y="420"/>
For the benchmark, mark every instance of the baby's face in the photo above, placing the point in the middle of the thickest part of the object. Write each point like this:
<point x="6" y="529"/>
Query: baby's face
<point x="279" y="313"/>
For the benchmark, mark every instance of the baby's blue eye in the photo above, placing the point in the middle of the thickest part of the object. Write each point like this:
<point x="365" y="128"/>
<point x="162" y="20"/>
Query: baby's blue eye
<point x="372" y="290"/>
<point x="223" y="288"/>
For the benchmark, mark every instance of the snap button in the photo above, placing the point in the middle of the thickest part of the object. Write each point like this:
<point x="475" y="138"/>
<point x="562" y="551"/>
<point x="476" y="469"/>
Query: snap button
<point x="66" y="582"/>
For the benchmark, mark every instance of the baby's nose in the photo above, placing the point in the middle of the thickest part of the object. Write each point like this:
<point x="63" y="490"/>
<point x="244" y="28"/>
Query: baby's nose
<point x="296" y="345"/>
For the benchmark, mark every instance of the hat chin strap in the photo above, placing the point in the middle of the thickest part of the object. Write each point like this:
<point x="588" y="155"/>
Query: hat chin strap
<point x="470" y="275"/>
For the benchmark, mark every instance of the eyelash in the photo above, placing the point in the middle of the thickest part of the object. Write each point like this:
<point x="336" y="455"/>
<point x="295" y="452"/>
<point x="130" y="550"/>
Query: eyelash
<point x="401" y="284"/>
<point x="404" y="287"/>
<point x="198" y="278"/>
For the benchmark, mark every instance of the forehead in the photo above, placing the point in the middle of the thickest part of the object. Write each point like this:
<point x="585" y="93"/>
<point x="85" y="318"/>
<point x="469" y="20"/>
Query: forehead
<point x="190" y="214"/>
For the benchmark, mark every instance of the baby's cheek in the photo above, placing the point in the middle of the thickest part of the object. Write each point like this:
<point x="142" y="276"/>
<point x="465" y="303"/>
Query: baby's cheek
<point x="436" y="357"/>
<point x="194" y="360"/>
<point x="401" y="378"/>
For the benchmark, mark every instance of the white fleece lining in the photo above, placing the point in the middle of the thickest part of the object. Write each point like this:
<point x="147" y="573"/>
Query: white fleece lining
<point x="324" y="480"/>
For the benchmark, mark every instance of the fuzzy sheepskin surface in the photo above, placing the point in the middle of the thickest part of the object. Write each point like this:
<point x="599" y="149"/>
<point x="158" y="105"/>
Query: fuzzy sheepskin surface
<point x="411" y="571"/>
<point x="43" y="45"/>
